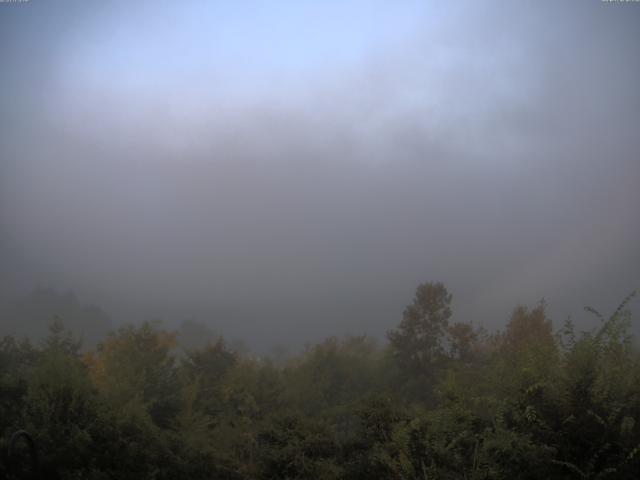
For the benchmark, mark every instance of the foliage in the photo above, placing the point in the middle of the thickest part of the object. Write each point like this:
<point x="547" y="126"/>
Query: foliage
<point x="418" y="340"/>
<point x="440" y="401"/>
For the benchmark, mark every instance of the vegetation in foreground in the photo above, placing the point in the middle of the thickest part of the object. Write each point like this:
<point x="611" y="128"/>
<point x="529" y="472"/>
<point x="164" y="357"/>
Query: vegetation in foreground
<point x="440" y="401"/>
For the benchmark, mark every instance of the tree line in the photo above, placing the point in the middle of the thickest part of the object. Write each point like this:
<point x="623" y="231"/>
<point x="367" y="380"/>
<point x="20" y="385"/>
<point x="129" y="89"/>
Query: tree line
<point x="438" y="400"/>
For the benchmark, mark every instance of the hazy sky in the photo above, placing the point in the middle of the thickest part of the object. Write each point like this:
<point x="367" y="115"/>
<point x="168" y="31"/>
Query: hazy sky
<point x="291" y="170"/>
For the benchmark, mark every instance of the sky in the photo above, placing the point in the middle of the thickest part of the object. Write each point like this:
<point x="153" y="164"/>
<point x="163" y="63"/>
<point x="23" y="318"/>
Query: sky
<point x="286" y="171"/>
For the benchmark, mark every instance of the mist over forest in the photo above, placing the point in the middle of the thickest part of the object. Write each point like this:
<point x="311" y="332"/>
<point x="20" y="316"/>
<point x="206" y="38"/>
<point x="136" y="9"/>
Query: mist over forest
<point x="322" y="231"/>
<point x="301" y="169"/>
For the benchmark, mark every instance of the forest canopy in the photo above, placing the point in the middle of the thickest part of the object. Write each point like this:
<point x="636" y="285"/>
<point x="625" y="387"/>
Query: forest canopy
<point x="438" y="400"/>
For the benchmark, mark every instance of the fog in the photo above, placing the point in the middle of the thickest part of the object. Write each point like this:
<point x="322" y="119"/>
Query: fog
<point x="285" y="173"/>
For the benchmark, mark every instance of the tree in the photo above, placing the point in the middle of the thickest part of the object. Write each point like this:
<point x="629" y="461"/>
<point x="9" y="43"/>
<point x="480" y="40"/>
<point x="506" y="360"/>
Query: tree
<point x="134" y="369"/>
<point x="462" y="338"/>
<point x="203" y="371"/>
<point x="61" y="340"/>
<point x="418" y="340"/>
<point x="527" y="329"/>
